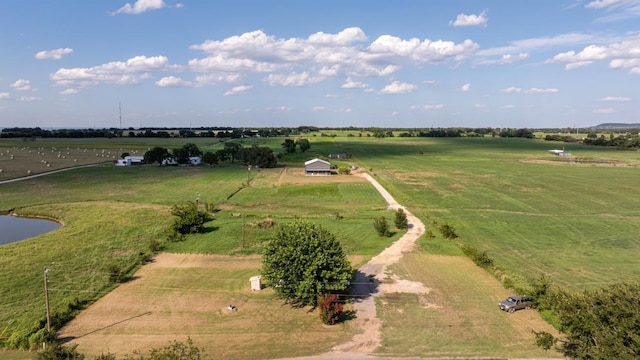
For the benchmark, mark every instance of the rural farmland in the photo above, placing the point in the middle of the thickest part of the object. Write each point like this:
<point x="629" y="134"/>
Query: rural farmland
<point x="533" y="213"/>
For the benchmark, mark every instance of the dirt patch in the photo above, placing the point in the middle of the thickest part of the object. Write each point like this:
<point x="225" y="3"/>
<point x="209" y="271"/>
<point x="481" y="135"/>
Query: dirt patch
<point x="291" y="175"/>
<point x="182" y="261"/>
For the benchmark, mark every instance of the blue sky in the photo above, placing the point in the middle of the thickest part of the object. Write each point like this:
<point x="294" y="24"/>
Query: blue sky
<point x="483" y="63"/>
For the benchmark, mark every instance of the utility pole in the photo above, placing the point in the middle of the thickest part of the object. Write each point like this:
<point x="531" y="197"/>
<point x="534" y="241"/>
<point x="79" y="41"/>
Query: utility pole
<point x="248" y="175"/>
<point x="46" y="299"/>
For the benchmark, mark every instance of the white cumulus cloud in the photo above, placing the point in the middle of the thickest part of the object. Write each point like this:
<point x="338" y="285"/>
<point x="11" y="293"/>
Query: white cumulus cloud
<point x="21" y="85"/>
<point x="69" y="92"/>
<point x="604" y="111"/>
<point x="173" y="81"/>
<point x="132" y="71"/>
<point x="621" y="54"/>
<point x="470" y="20"/>
<point x="140" y="7"/>
<point x="398" y="87"/>
<point x="352" y="84"/>
<point x="5" y="96"/>
<point x="55" y="54"/>
<point x="238" y="90"/>
<point x="322" y="56"/>
<point x="465" y="87"/>
<point x="294" y="79"/>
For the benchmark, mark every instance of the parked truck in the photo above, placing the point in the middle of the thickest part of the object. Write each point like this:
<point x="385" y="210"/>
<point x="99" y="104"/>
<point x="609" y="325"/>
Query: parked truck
<point x="513" y="303"/>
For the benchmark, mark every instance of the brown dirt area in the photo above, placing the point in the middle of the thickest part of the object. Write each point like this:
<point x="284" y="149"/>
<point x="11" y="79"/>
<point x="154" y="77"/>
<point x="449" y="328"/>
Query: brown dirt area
<point x="290" y="175"/>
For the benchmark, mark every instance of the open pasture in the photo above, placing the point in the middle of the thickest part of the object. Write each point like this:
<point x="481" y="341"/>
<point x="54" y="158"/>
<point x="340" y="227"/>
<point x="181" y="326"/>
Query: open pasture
<point x="575" y="222"/>
<point x="532" y="212"/>
<point x="19" y="158"/>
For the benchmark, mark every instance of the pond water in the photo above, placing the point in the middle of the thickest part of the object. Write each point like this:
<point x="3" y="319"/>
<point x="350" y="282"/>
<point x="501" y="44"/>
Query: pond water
<point x="14" y="228"/>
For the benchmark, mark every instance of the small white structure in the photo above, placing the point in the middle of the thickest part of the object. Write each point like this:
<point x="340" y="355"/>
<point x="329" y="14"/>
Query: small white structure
<point x="193" y="161"/>
<point x="317" y="167"/>
<point x="256" y="284"/>
<point x="130" y="160"/>
<point x="560" y="153"/>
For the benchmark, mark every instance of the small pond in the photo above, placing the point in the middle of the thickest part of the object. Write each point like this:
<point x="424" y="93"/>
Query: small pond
<point x="13" y="228"/>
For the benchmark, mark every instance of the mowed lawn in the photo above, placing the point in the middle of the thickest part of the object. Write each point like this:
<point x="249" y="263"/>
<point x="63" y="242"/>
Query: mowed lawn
<point x="459" y="317"/>
<point x="181" y="296"/>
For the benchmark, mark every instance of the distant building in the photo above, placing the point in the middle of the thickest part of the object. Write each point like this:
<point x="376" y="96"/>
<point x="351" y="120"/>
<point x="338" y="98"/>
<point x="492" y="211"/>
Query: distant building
<point x="337" y="156"/>
<point x="317" y="167"/>
<point x="129" y="160"/>
<point x="560" y="153"/>
<point x="193" y="161"/>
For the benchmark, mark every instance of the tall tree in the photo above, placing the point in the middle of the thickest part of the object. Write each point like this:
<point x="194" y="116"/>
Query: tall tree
<point x="304" y="144"/>
<point x="304" y="261"/>
<point x="289" y="146"/>
<point x="156" y="154"/>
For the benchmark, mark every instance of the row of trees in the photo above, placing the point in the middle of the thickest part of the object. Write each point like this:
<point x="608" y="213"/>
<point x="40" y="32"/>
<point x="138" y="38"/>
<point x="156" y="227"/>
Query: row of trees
<point x="290" y="146"/>
<point x="260" y="156"/>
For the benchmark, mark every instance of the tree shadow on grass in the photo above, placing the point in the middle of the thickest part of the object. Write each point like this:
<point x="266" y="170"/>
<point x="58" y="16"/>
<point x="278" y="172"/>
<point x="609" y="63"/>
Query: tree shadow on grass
<point x="363" y="287"/>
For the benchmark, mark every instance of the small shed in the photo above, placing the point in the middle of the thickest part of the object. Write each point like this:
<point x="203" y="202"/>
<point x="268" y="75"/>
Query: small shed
<point x="256" y="284"/>
<point x="317" y="167"/>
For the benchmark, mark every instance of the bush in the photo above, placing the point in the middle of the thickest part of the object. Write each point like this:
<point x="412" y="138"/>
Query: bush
<point x="344" y="170"/>
<point x="116" y="274"/>
<point x="55" y="351"/>
<point x="381" y="226"/>
<point x="448" y="231"/>
<point x="189" y="220"/>
<point x="401" y="219"/>
<point x="330" y="308"/>
<point x="479" y="258"/>
<point x="175" y="351"/>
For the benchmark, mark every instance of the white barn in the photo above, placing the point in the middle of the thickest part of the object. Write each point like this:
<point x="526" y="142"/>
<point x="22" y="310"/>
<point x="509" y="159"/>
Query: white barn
<point x="130" y="160"/>
<point x="317" y="167"/>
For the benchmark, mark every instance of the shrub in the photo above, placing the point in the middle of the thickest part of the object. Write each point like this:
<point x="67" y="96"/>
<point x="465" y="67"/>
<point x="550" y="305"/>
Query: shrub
<point x="381" y="226"/>
<point x="55" y="351"/>
<point x="175" y="351"/>
<point x="448" y="231"/>
<point x="116" y="274"/>
<point x="479" y="258"/>
<point x="344" y="170"/>
<point x="189" y="219"/>
<point x="401" y="219"/>
<point x="330" y="308"/>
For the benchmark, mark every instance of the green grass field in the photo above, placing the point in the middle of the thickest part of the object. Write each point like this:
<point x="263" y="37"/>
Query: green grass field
<point x="574" y="221"/>
<point x="532" y="213"/>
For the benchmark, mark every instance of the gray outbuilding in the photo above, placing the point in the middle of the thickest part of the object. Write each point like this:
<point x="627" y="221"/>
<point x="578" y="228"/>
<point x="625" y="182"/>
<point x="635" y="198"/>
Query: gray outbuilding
<point x="317" y="167"/>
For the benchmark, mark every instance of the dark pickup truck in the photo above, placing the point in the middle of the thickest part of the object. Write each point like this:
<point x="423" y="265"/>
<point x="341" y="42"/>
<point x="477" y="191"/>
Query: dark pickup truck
<point x="513" y="303"/>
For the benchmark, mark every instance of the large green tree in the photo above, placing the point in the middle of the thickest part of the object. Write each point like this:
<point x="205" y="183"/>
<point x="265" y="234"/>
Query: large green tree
<point x="303" y="144"/>
<point x="289" y="146"/>
<point x="157" y="154"/>
<point x="304" y="261"/>
<point x="600" y="324"/>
